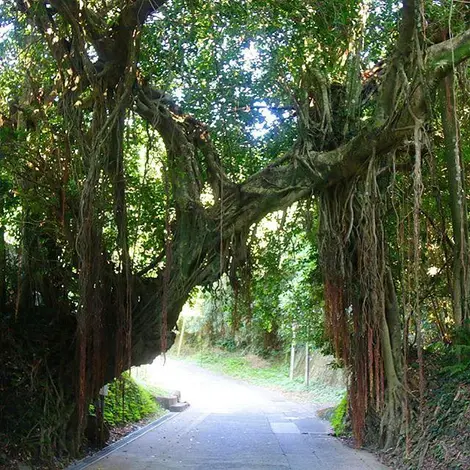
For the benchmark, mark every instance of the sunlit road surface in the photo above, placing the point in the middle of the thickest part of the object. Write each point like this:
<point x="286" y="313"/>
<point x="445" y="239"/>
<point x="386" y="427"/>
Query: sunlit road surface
<point x="232" y="425"/>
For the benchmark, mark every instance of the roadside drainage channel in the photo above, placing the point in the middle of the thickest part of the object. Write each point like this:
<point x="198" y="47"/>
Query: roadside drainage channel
<point x="87" y="461"/>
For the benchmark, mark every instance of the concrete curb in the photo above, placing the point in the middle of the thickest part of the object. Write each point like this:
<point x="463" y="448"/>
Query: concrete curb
<point x="87" y="461"/>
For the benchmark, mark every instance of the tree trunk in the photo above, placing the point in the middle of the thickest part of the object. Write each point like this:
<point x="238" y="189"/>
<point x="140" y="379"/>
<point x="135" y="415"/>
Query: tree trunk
<point x="392" y="417"/>
<point x="458" y="204"/>
<point x="3" y="259"/>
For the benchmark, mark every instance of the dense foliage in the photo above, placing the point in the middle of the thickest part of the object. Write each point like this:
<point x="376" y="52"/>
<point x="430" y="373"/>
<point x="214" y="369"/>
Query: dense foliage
<point x="127" y="402"/>
<point x="275" y="298"/>
<point x="339" y="417"/>
<point x="143" y="146"/>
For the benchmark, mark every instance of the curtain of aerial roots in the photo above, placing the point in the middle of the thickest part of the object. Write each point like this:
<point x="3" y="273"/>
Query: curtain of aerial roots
<point x="353" y="259"/>
<point x="240" y="276"/>
<point x="101" y="161"/>
<point x="90" y="267"/>
<point x="168" y="263"/>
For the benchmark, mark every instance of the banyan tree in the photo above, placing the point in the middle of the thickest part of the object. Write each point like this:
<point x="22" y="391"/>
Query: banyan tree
<point x="127" y="130"/>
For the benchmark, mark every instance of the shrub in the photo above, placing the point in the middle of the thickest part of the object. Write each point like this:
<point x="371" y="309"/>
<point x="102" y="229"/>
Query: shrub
<point x="127" y="402"/>
<point x="338" y="420"/>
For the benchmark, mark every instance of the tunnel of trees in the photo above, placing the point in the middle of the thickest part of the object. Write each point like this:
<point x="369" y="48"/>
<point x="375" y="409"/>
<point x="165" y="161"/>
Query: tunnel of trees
<point x="143" y="141"/>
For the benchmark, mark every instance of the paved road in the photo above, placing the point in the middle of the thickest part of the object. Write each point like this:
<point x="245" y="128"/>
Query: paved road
<point x="232" y="425"/>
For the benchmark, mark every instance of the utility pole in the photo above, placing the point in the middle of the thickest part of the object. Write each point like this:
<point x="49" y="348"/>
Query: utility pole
<point x="307" y="365"/>
<point x="181" y="336"/>
<point x="292" y="354"/>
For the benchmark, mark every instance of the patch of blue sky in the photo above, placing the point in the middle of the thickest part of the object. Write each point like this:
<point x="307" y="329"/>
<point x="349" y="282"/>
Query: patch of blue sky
<point x="260" y="129"/>
<point x="251" y="61"/>
<point x="5" y="30"/>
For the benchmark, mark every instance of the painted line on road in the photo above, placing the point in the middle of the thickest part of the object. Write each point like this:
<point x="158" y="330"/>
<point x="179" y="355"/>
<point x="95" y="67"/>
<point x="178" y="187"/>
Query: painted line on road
<point x="87" y="461"/>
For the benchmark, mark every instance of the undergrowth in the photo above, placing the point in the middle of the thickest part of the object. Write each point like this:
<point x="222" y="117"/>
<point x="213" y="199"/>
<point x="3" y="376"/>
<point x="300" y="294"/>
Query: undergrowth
<point x="339" y="417"/>
<point x="128" y="402"/>
<point x="440" y="438"/>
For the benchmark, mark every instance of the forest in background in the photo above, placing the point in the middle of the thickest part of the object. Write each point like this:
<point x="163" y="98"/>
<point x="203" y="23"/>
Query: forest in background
<point x="303" y="161"/>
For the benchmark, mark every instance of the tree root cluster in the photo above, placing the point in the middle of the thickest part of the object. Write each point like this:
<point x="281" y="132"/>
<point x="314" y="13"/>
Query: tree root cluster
<point x="440" y="438"/>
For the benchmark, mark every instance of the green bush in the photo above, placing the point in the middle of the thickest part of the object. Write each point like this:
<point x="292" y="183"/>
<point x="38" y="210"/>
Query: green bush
<point x="338" y="420"/>
<point x="127" y="402"/>
<point x="458" y="358"/>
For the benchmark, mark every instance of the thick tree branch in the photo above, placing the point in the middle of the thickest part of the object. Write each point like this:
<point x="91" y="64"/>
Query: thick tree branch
<point x="180" y="151"/>
<point x="199" y="134"/>
<point x="127" y="29"/>
<point x="401" y="61"/>
<point x="60" y="47"/>
<point x="302" y="171"/>
<point x="443" y="57"/>
<point x="152" y="265"/>
<point x="217" y="176"/>
<point x="182" y="134"/>
<point x="114" y="47"/>
<point x="407" y="28"/>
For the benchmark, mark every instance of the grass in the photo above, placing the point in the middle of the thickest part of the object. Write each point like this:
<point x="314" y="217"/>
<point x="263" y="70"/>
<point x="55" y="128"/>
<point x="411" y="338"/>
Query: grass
<point x="270" y="373"/>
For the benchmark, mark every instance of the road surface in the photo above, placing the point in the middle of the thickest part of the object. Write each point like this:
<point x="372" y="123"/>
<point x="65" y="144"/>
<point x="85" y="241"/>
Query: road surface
<point x="233" y="425"/>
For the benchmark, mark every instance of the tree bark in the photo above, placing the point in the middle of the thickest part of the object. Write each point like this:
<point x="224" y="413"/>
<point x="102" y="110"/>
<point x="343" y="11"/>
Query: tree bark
<point x="393" y="362"/>
<point x="458" y="204"/>
<point x="3" y="258"/>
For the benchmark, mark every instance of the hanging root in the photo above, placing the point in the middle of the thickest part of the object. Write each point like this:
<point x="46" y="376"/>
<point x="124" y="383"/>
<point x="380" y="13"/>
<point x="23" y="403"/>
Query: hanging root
<point x="353" y="254"/>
